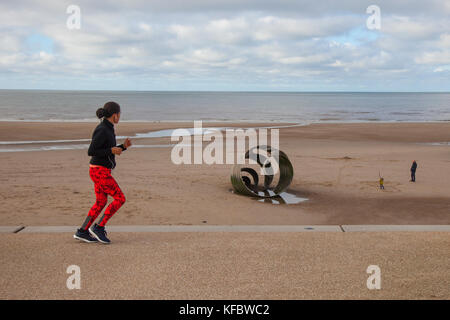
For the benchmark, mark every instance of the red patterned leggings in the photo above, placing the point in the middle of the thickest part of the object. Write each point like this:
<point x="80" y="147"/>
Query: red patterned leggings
<point x="104" y="185"/>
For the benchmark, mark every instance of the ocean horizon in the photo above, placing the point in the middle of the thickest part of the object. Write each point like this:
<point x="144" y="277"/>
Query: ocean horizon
<point x="226" y="106"/>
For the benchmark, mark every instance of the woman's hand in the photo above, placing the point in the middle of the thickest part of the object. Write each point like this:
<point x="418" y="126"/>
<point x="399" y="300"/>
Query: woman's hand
<point x="116" y="150"/>
<point x="127" y="143"/>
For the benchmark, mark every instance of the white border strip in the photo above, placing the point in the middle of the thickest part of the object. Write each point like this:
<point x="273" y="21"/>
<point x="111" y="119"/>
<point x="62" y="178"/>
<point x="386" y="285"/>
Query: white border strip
<point x="368" y="228"/>
<point x="9" y="229"/>
<point x="235" y="228"/>
<point x="196" y="228"/>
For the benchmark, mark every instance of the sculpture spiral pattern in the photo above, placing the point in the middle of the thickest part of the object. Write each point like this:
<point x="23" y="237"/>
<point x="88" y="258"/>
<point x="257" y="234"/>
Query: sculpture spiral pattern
<point x="242" y="184"/>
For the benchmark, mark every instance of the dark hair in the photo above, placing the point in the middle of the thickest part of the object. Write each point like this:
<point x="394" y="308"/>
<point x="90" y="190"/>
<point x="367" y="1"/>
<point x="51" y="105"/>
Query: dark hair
<point x="108" y="110"/>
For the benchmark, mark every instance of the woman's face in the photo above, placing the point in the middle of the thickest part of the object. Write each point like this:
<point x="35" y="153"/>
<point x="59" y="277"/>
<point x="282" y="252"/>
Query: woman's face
<point x="116" y="117"/>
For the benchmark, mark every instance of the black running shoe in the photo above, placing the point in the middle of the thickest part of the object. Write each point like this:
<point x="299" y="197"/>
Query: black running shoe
<point x="84" y="235"/>
<point x="99" y="233"/>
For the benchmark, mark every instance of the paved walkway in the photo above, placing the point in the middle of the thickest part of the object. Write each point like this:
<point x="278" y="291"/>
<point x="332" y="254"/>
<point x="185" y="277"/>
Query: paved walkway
<point x="225" y="264"/>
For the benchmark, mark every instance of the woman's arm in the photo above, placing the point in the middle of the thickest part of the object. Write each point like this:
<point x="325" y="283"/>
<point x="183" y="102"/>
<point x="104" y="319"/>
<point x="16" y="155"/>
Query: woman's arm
<point x="125" y="145"/>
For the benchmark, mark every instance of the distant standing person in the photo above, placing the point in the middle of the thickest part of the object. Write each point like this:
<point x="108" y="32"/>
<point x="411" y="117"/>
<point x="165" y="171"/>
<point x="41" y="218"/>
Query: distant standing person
<point x="103" y="150"/>
<point x="413" y="171"/>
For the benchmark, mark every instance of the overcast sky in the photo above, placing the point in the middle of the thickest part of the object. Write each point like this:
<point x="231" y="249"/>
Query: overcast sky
<point x="226" y="45"/>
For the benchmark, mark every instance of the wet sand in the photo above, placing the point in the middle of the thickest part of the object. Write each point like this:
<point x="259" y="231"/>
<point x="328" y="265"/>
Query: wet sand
<point x="336" y="167"/>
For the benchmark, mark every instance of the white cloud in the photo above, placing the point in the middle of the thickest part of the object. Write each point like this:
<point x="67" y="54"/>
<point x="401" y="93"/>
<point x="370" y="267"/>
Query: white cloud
<point x="232" y="40"/>
<point x="442" y="69"/>
<point x="417" y="28"/>
<point x="434" y="57"/>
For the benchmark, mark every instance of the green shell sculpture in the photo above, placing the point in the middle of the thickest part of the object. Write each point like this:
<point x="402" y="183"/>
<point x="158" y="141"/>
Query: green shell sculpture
<point x="245" y="179"/>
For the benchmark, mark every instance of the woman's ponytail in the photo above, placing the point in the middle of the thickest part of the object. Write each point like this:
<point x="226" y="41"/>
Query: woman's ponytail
<point x="100" y="113"/>
<point x="108" y="110"/>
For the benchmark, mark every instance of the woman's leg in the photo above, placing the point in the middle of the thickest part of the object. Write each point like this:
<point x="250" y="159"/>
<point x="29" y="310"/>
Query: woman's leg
<point x="110" y="186"/>
<point x="100" y="203"/>
<point x="101" y="197"/>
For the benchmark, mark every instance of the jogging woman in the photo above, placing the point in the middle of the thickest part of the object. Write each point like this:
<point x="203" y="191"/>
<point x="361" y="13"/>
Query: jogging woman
<point x="103" y="150"/>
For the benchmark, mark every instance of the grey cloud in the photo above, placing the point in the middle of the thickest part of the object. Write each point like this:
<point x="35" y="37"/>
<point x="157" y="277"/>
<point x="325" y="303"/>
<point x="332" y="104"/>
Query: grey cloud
<point x="230" y="41"/>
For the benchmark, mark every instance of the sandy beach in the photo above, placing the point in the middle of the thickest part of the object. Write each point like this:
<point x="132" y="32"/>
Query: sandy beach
<point x="336" y="167"/>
